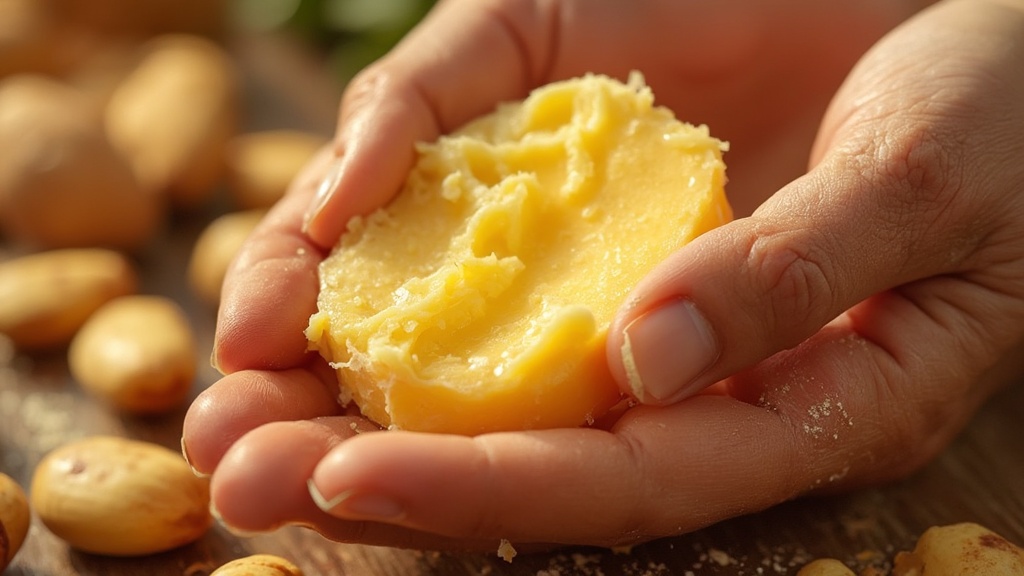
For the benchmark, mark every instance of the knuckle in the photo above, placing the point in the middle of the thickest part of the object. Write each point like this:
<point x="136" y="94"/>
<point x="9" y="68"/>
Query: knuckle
<point x="365" y="89"/>
<point x="919" y="161"/>
<point x="488" y="519"/>
<point x="915" y="426"/>
<point x="797" y="278"/>
<point x="386" y="89"/>
<point x="924" y="174"/>
<point x="916" y="172"/>
<point x="898" y="445"/>
<point x="634" y="522"/>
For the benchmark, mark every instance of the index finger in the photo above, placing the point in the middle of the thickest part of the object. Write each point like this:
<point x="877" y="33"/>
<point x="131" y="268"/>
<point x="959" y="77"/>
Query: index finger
<point x="461" y="61"/>
<point x="270" y="291"/>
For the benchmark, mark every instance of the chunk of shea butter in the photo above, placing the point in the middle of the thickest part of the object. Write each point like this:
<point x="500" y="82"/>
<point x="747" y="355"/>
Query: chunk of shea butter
<point x="479" y="299"/>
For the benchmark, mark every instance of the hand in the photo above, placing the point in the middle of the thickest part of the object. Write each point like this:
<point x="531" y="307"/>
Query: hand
<point x="854" y="321"/>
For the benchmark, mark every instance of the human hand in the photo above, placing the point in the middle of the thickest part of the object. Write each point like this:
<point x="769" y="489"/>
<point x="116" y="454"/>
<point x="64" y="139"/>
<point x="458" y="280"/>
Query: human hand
<point x="921" y="276"/>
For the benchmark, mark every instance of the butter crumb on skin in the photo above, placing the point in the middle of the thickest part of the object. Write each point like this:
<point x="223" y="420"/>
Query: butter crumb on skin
<point x="506" y="551"/>
<point x="636" y="385"/>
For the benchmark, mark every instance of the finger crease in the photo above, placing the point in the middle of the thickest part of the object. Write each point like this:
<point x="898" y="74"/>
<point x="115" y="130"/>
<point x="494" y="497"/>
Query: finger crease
<point x="422" y="95"/>
<point x="636" y="519"/>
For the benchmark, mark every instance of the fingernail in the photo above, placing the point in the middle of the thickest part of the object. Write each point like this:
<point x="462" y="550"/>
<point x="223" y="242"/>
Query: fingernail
<point x="323" y="194"/>
<point x="347" y="503"/>
<point x="665" y="349"/>
<point x="184" y="454"/>
<point x="233" y="530"/>
<point x="214" y="363"/>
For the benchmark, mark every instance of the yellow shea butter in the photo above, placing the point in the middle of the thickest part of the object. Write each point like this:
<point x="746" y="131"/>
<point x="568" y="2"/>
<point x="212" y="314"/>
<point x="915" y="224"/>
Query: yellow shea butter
<point x="479" y="299"/>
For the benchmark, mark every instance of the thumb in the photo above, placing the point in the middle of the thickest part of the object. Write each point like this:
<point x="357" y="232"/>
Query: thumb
<point x="898" y="195"/>
<point x="742" y="292"/>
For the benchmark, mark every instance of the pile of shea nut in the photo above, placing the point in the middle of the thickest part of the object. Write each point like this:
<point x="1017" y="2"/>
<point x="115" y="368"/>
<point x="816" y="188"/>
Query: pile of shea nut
<point x="119" y="119"/>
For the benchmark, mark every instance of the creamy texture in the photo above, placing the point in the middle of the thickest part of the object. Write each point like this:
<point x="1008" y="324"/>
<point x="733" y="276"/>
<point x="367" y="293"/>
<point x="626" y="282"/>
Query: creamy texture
<point x="480" y="297"/>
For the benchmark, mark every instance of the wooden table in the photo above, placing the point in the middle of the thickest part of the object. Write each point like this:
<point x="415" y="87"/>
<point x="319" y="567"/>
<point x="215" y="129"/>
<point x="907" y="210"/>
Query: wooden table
<point x="979" y="478"/>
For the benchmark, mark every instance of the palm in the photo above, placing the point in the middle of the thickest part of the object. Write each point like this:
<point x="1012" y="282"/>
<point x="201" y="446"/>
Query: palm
<point x="759" y="76"/>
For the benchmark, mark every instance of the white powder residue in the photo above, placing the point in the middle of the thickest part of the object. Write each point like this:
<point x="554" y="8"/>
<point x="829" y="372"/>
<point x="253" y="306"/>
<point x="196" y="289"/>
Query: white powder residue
<point x="831" y="410"/>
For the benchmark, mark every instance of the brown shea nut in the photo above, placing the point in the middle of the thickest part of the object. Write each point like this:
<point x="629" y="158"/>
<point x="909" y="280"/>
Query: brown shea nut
<point x="14" y="519"/>
<point x="45" y="297"/>
<point x="261" y="165"/>
<point x="120" y="497"/>
<point x="136" y="352"/>
<point x="825" y="567"/>
<point x="258" y="565"/>
<point x="62" y="184"/>
<point x="959" y="549"/>
<point x="214" y="250"/>
<point x="173" y="116"/>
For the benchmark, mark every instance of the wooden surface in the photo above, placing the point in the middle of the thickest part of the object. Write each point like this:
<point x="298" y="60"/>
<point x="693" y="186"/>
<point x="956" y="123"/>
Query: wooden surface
<point x="979" y="478"/>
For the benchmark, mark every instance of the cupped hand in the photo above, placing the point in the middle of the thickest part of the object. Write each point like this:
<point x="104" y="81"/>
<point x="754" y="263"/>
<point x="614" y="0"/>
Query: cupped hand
<point x="855" y="319"/>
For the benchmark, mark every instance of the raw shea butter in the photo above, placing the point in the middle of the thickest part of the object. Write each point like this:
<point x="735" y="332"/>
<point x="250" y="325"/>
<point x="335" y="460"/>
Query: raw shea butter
<point x="479" y="299"/>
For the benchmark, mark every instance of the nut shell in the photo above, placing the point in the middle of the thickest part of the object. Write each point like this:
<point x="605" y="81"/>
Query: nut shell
<point x="958" y="549"/>
<point x="46" y="297"/>
<point x="215" y="249"/>
<point x="62" y="184"/>
<point x="173" y="117"/>
<point x="262" y="165"/>
<point x="258" y="565"/>
<point x="14" y="519"/>
<point x="138" y="353"/>
<point x="825" y="567"/>
<point x="119" y="497"/>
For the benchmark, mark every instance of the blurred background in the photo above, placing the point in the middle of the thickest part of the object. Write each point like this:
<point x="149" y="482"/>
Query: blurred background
<point x="146" y="109"/>
<point x="141" y="141"/>
<point x="55" y="35"/>
<point x="351" y="33"/>
<point x="159" y="131"/>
